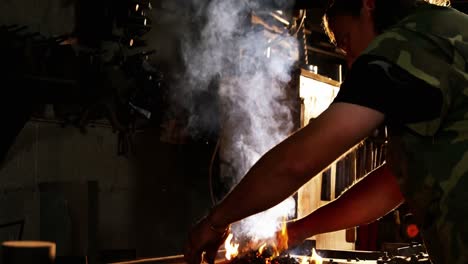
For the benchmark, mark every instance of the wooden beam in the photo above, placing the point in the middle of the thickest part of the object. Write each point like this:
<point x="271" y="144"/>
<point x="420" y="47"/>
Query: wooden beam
<point x="319" y="77"/>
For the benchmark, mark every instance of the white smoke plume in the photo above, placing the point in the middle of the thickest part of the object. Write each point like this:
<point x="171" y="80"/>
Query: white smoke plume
<point x="252" y="69"/>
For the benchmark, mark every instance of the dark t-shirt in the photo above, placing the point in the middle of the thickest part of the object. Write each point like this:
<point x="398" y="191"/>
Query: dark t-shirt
<point x="378" y="84"/>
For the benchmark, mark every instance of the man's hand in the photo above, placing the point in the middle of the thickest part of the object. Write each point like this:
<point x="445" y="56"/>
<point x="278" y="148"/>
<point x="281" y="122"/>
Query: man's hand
<point x="204" y="238"/>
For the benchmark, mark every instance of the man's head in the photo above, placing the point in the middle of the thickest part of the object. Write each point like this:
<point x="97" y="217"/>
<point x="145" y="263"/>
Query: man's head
<point x="352" y="24"/>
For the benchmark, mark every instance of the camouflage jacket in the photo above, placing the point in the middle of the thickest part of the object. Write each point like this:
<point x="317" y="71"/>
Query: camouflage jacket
<point x="430" y="158"/>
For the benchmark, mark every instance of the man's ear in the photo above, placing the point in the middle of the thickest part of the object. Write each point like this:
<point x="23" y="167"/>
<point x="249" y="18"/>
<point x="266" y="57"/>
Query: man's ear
<point x="368" y="5"/>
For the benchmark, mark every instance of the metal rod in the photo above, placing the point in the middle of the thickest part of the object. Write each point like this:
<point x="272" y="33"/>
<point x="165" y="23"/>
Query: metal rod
<point x="329" y="53"/>
<point x="340" y="73"/>
<point x="167" y="259"/>
<point x="51" y="80"/>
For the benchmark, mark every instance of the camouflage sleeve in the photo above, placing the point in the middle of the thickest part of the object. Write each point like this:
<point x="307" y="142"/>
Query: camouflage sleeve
<point x="375" y="83"/>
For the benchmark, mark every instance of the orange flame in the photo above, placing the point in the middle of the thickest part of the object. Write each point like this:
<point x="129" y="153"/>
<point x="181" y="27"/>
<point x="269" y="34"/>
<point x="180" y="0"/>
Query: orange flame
<point x="261" y="248"/>
<point x="305" y="260"/>
<point x="282" y="237"/>
<point x="283" y="228"/>
<point x="231" y="248"/>
<point x="315" y="258"/>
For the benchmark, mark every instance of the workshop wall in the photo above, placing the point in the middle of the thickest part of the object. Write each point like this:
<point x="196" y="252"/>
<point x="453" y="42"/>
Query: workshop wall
<point x="73" y="188"/>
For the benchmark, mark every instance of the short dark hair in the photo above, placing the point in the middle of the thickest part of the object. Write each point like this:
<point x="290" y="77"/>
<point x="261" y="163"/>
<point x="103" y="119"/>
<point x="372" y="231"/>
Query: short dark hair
<point x="386" y="14"/>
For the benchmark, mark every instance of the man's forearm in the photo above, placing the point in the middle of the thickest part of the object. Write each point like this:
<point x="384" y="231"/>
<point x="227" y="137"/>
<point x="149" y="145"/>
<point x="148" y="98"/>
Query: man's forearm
<point x="272" y="179"/>
<point x="284" y="169"/>
<point x="366" y="201"/>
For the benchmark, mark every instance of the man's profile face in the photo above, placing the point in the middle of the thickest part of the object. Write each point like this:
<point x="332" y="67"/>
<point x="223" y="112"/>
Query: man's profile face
<point x="352" y="34"/>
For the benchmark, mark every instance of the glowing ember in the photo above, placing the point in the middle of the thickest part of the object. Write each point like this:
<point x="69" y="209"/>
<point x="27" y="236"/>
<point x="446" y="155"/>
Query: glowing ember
<point x="315" y="258"/>
<point x="231" y="248"/>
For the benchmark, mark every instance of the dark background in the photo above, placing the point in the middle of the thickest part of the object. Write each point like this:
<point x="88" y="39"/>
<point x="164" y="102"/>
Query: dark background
<point x="81" y="168"/>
